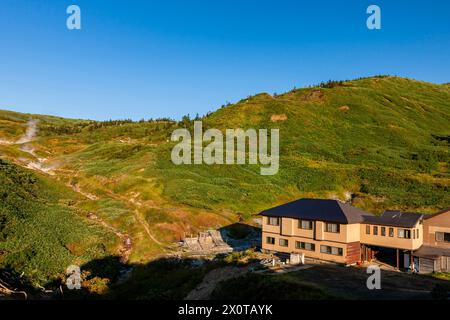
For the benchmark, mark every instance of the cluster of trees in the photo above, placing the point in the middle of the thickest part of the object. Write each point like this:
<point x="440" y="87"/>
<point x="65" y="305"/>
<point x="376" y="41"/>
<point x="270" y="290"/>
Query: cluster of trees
<point x="78" y="127"/>
<point x="332" y="84"/>
<point x="186" y="120"/>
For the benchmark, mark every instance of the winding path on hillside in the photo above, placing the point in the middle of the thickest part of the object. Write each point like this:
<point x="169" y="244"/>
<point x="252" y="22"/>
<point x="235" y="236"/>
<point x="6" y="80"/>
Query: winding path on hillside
<point x="126" y="244"/>
<point x="39" y="164"/>
<point x="142" y="220"/>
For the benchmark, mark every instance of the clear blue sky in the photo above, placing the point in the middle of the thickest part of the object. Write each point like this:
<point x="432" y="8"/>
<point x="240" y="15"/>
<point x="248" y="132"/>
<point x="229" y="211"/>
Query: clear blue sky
<point x="142" y="59"/>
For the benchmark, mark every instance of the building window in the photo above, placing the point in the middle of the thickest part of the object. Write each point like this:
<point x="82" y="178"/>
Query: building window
<point x="305" y="246"/>
<point x="375" y="231"/>
<point x="325" y="249"/>
<point x="332" y="227"/>
<point x="442" y="237"/>
<point x="417" y="233"/>
<point x="337" y="251"/>
<point x="305" y="224"/>
<point x="270" y="240"/>
<point x="414" y="233"/>
<point x="332" y="250"/>
<point x="274" y="221"/>
<point x="367" y="229"/>
<point x="284" y="242"/>
<point x="383" y="231"/>
<point x="391" y="232"/>
<point x="405" y="234"/>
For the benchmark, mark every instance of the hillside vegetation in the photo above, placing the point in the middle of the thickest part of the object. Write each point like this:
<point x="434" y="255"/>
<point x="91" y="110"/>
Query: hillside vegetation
<point x="40" y="234"/>
<point x="382" y="142"/>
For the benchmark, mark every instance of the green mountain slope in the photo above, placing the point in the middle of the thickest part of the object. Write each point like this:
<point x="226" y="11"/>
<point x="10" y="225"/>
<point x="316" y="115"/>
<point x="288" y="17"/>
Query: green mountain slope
<point x="385" y="140"/>
<point x="40" y="234"/>
<point x="382" y="141"/>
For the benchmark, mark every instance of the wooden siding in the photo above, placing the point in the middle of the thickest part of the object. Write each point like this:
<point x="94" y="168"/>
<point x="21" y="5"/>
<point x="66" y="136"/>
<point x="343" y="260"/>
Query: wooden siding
<point x="426" y="265"/>
<point x="444" y="264"/>
<point x="441" y="264"/>
<point x="353" y="253"/>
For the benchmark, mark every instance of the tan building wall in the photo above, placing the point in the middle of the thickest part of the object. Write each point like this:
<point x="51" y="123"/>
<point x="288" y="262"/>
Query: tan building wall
<point x="290" y="227"/>
<point x="289" y="230"/>
<point x="438" y="223"/>
<point x="291" y="248"/>
<point x="392" y="242"/>
<point x="348" y="239"/>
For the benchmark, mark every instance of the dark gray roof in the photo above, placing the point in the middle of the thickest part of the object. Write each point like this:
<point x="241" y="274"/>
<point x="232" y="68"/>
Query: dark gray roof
<point x="395" y="219"/>
<point x="428" y="216"/>
<point x="318" y="209"/>
<point x="432" y="252"/>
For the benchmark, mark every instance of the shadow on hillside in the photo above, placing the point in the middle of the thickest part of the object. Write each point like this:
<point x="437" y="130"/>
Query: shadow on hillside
<point x="109" y="278"/>
<point x="241" y="236"/>
<point x="174" y="278"/>
<point x="165" y="278"/>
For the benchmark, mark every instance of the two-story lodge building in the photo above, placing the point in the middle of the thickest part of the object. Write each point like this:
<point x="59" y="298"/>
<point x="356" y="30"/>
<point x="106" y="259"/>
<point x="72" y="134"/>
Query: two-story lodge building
<point x="335" y="231"/>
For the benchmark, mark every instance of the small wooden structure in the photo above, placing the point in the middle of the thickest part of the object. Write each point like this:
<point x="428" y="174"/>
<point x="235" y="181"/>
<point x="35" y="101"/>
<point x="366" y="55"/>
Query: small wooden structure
<point x="432" y="259"/>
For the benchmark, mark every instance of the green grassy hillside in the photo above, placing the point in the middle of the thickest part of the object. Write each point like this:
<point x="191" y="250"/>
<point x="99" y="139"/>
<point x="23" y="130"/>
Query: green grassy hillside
<point x="384" y="141"/>
<point x="40" y="233"/>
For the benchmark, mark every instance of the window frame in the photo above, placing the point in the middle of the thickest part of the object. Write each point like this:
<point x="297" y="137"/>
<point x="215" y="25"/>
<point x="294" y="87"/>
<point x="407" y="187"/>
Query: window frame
<point x="391" y="232"/>
<point x="445" y="237"/>
<point x="332" y="224"/>
<point x="269" y="221"/>
<point x="383" y="231"/>
<point x="406" y="233"/>
<point x="301" y="245"/>
<point x="325" y="249"/>
<point x="368" y="229"/>
<point x="282" y="240"/>
<point x="272" y="238"/>
<point x="375" y="230"/>
<point x="300" y="224"/>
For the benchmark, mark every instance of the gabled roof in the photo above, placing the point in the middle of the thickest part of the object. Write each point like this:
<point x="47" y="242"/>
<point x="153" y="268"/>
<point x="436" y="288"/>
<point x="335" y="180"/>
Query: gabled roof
<point x="318" y="209"/>
<point x="395" y="219"/>
<point x="437" y="213"/>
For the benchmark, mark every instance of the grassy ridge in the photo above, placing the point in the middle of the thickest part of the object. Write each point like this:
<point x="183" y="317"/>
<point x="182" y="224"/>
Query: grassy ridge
<point x="382" y="139"/>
